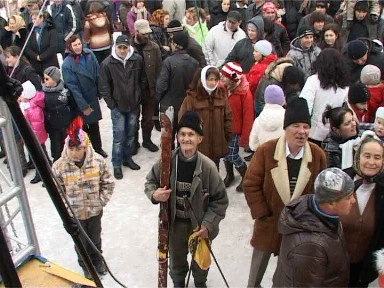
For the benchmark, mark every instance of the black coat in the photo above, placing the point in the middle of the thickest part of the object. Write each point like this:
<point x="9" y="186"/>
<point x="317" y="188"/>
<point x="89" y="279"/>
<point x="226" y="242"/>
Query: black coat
<point x="25" y="72"/>
<point x="6" y="38"/>
<point x="47" y="49"/>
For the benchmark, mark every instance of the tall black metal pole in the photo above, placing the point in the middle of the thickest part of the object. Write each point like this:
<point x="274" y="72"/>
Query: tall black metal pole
<point x="7" y="269"/>
<point x="9" y="93"/>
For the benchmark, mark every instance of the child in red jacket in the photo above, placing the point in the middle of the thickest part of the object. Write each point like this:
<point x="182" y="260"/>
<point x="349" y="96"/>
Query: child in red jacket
<point x="241" y="102"/>
<point x="371" y="76"/>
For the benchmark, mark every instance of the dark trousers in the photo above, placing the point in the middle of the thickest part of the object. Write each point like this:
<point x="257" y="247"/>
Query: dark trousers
<point x="57" y="137"/>
<point x="92" y="227"/>
<point x="93" y="131"/>
<point x="102" y="54"/>
<point x="354" y="275"/>
<point x="178" y="252"/>
<point x="148" y="105"/>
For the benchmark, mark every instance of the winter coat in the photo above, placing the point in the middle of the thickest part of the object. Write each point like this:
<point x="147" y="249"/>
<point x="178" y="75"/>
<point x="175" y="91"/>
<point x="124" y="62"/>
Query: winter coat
<point x="368" y="273"/>
<point x="375" y="57"/>
<point x="6" y="38"/>
<point x="206" y="179"/>
<point x="59" y="110"/>
<point x="35" y="116"/>
<point x="241" y="103"/>
<point x="175" y="76"/>
<point x="46" y="50"/>
<point x="293" y="15"/>
<point x="376" y="101"/>
<point x="272" y="75"/>
<point x="199" y="31"/>
<point x="97" y="31"/>
<point x="121" y="82"/>
<point x="257" y="72"/>
<point x="65" y="23"/>
<point x="216" y="114"/>
<point x="88" y="188"/>
<point x="25" y="72"/>
<point x="175" y="8"/>
<point x="266" y="188"/>
<point x="160" y="37"/>
<point x="217" y="16"/>
<point x="313" y="251"/>
<point x="303" y="59"/>
<point x="317" y="100"/>
<point x="252" y="11"/>
<point x="220" y="42"/>
<point x="282" y="34"/>
<point x="82" y="81"/>
<point x="196" y="52"/>
<point x="331" y="146"/>
<point x="152" y="65"/>
<point x="242" y="52"/>
<point x="268" y="126"/>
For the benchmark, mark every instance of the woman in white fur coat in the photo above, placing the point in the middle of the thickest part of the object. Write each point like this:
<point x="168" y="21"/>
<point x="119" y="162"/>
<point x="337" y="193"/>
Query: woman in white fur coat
<point x="269" y="124"/>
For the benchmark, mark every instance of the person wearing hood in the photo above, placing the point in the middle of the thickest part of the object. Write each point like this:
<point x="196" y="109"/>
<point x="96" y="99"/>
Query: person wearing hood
<point x="80" y="73"/>
<point x="269" y="124"/>
<point x="242" y="52"/>
<point x="313" y="251"/>
<point x="210" y="101"/>
<point x="304" y="51"/>
<point x="83" y="174"/>
<point x="219" y="12"/>
<point x="122" y="81"/>
<point x="58" y="110"/>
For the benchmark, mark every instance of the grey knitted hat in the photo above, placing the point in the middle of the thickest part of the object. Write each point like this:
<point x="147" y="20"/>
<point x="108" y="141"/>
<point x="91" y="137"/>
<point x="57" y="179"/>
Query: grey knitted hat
<point x="332" y="184"/>
<point x="53" y="72"/>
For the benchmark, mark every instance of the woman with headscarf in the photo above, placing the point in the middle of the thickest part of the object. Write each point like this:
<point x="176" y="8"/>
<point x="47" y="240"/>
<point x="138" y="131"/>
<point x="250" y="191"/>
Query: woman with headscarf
<point x="364" y="225"/>
<point x="15" y="33"/>
<point x="210" y="101"/>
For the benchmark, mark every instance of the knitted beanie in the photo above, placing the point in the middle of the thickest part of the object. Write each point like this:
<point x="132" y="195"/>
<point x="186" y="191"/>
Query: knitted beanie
<point x="358" y="93"/>
<point x="274" y="95"/>
<point x="357" y="49"/>
<point x="370" y="75"/>
<point x="332" y="184"/>
<point x="180" y="38"/>
<point x="304" y="31"/>
<point x="54" y="73"/>
<point x="232" y="70"/>
<point x="380" y="113"/>
<point x="264" y="47"/>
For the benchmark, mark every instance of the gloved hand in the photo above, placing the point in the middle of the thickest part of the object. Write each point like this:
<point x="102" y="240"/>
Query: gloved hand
<point x="374" y="18"/>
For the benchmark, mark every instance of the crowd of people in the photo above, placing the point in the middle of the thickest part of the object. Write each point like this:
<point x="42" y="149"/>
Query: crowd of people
<point x="297" y="84"/>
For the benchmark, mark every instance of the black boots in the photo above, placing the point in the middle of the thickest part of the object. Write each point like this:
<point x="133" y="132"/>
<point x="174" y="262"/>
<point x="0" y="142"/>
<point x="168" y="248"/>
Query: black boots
<point x="147" y="142"/>
<point x="230" y="176"/>
<point x="242" y="170"/>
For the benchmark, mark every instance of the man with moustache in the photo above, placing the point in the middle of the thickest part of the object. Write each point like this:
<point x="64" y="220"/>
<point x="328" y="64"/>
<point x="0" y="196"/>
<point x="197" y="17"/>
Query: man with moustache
<point x="151" y="54"/>
<point x="281" y="170"/>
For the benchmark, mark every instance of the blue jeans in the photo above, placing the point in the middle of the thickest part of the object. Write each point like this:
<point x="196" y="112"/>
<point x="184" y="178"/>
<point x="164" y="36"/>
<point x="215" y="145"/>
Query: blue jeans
<point x="124" y="125"/>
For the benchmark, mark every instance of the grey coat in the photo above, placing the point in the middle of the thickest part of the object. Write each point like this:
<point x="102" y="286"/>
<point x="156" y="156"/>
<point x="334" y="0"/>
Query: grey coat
<point x="206" y="179"/>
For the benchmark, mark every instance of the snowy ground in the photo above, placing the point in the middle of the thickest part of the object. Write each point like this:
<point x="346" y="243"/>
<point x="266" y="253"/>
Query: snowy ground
<point x="130" y="228"/>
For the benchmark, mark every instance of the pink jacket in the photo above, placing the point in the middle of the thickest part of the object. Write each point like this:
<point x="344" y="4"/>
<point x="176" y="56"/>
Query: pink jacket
<point x="35" y="116"/>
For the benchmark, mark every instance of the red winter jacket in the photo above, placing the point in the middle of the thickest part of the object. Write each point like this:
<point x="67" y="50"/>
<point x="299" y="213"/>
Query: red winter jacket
<point x="377" y="100"/>
<point x="257" y="72"/>
<point x="241" y="102"/>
